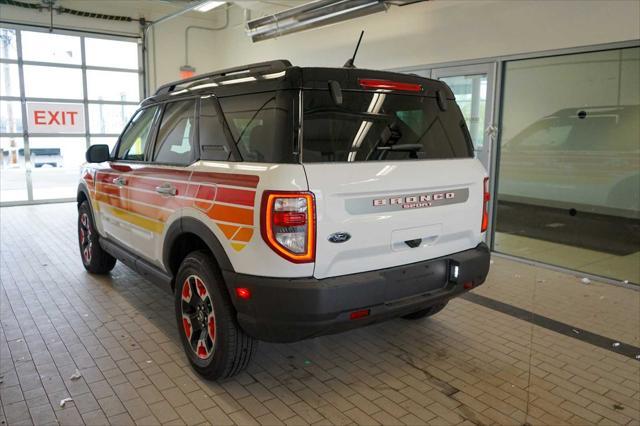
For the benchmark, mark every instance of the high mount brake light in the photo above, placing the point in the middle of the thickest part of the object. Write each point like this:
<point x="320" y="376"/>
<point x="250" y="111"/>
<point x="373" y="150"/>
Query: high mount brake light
<point x="485" y="205"/>
<point x="366" y="83"/>
<point x="288" y="224"/>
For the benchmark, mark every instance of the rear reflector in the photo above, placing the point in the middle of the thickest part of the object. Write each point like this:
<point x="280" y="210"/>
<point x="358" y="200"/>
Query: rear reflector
<point x="468" y="285"/>
<point x="243" y="293"/>
<point x="389" y="85"/>
<point x="289" y="219"/>
<point x="359" y="314"/>
<point x="485" y="205"/>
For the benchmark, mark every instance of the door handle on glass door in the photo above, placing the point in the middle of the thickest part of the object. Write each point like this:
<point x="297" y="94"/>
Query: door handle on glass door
<point x="166" y="189"/>
<point x="120" y="181"/>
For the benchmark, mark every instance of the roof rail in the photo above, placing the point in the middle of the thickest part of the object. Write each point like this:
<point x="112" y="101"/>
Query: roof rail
<point x="257" y="68"/>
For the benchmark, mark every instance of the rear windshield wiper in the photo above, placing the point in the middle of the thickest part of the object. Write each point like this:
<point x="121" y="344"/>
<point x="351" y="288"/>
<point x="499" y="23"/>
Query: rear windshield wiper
<point x="347" y="113"/>
<point x="401" y="147"/>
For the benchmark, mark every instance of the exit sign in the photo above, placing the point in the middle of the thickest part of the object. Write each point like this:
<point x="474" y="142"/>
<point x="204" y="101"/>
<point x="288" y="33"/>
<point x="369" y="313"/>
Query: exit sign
<point x="44" y="117"/>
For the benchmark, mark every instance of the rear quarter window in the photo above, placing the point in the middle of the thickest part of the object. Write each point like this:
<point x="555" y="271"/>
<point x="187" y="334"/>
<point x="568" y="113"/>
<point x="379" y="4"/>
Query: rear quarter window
<point x="261" y="125"/>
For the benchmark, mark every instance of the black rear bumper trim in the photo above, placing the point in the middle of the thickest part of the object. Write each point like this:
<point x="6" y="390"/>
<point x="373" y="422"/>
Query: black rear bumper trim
<point x="291" y="309"/>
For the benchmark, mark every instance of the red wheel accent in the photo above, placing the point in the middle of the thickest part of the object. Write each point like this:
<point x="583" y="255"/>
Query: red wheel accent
<point x="202" y="290"/>
<point x="202" y="350"/>
<point x="186" y="323"/>
<point x="211" y="324"/>
<point x="186" y="291"/>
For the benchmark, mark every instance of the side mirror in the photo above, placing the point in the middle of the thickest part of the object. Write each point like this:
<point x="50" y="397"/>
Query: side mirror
<point x="98" y="153"/>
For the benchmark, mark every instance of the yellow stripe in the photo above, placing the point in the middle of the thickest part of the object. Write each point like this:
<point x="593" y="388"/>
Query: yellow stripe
<point x="142" y="222"/>
<point x="237" y="246"/>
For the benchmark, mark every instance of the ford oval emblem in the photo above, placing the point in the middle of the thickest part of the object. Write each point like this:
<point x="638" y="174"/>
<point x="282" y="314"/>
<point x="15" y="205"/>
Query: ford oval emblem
<point x="339" y="237"/>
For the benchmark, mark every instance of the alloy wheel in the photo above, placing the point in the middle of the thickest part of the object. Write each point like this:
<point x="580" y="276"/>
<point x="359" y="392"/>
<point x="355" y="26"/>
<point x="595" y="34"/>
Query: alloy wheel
<point x="198" y="318"/>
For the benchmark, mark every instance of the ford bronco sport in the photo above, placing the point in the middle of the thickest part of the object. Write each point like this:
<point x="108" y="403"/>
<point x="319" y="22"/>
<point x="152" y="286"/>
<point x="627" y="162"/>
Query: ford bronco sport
<point x="280" y="203"/>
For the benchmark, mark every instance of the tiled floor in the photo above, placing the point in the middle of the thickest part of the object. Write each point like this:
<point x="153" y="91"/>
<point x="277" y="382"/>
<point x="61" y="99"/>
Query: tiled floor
<point x="467" y="365"/>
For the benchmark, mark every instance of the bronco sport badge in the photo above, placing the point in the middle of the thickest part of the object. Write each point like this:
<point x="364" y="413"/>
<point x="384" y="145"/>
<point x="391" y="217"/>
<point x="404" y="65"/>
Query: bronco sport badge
<point x="407" y="201"/>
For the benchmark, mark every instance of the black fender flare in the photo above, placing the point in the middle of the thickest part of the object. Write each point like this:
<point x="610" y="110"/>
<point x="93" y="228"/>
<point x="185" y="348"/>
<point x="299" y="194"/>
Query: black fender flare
<point x="82" y="189"/>
<point x="194" y="226"/>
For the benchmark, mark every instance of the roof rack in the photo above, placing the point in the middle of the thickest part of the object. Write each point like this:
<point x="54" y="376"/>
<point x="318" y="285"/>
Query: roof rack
<point x="253" y="69"/>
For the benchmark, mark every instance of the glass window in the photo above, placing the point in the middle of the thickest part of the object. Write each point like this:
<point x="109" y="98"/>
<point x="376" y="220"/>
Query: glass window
<point x="175" y="143"/>
<point x="471" y="96"/>
<point x="9" y="80"/>
<point x="47" y="47"/>
<point x="569" y="187"/>
<point x="135" y="138"/>
<point x="10" y="117"/>
<point x="38" y="79"/>
<point x="55" y="165"/>
<point x="107" y="118"/>
<point x="13" y="173"/>
<point x="381" y="126"/>
<point x="261" y="125"/>
<point x="113" y="86"/>
<point x="213" y="143"/>
<point x="8" y="49"/>
<point x="111" y="53"/>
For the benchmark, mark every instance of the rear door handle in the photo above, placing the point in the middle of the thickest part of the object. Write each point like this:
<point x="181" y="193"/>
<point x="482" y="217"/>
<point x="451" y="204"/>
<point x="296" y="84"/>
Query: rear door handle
<point x="120" y="181"/>
<point x="166" y="189"/>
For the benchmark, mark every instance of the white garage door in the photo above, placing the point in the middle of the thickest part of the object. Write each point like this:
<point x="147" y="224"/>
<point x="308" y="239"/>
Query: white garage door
<point x="59" y="93"/>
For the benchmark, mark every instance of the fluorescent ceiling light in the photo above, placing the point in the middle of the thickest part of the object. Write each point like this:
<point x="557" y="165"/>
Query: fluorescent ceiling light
<point x="209" y="5"/>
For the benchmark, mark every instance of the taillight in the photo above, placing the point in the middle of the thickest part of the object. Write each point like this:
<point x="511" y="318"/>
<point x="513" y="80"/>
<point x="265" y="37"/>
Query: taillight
<point x="485" y="205"/>
<point x="288" y="224"/>
<point x="367" y="83"/>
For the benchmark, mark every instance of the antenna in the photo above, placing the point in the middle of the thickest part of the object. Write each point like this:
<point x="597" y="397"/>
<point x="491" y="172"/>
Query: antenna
<point x="349" y="63"/>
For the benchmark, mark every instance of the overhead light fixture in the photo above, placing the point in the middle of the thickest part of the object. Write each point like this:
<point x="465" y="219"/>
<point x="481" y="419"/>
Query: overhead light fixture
<point x="311" y="15"/>
<point x="209" y="5"/>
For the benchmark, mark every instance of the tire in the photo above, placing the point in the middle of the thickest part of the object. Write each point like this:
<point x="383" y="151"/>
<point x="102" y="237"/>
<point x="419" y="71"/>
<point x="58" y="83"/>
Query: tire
<point x="423" y="313"/>
<point x="214" y="343"/>
<point x="94" y="258"/>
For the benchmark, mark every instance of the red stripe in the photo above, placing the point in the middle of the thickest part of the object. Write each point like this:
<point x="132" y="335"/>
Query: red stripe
<point x="236" y="196"/>
<point x="249" y="181"/>
<point x="163" y="173"/>
<point x="206" y="193"/>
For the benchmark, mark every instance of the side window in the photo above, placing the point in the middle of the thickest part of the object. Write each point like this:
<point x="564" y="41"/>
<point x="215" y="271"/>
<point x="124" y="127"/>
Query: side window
<point x="261" y="125"/>
<point x="213" y="144"/>
<point x="134" y="139"/>
<point x="175" y="142"/>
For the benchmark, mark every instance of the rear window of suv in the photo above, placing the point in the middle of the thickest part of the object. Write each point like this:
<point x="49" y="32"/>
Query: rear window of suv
<point x="381" y="127"/>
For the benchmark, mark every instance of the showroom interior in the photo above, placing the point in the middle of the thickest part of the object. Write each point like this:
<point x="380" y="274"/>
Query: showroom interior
<point x="550" y="93"/>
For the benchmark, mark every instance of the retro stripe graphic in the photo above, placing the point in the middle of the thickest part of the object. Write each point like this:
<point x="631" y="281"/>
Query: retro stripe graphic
<point x="228" y="199"/>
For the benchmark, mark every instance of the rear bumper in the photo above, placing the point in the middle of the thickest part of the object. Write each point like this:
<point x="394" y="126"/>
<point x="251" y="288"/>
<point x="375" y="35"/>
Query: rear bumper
<point x="291" y="309"/>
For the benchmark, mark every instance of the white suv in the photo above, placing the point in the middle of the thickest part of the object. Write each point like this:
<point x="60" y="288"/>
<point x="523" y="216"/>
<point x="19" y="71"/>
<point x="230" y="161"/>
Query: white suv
<point x="281" y="203"/>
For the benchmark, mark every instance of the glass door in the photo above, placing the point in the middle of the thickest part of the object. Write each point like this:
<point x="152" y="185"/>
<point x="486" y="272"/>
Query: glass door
<point x="473" y="86"/>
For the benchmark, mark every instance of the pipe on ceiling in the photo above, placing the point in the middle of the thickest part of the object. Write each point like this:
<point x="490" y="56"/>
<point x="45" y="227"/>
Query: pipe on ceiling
<point x="311" y="15"/>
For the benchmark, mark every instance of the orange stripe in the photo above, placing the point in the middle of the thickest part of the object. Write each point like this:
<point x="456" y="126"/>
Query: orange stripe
<point x="147" y="211"/>
<point x="244" y="234"/>
<point x="227" y="230"/>
<point x="232" y="214"/>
